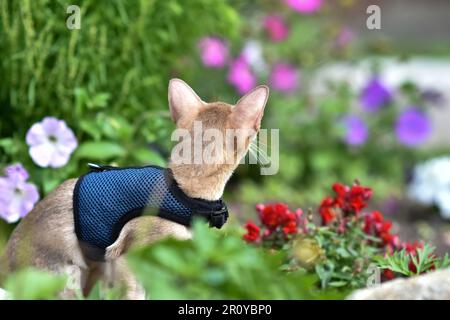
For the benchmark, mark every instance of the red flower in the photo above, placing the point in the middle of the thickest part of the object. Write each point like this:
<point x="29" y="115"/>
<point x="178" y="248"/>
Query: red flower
<point x="357" y="198"/>
<point x="376" y="225"/>
<point x="253" y="232"/>
<point x="412" y="247"/>
<point x="349" y="200"/>
<point x="278" y="215"/>
<point x="290" y="223"/>
<point x="290" y="228"/>
<point x="326" y="210"/>
<point x="273" y="216"/>
<point x="341" y="193"/>
<point x="388" y="274"/>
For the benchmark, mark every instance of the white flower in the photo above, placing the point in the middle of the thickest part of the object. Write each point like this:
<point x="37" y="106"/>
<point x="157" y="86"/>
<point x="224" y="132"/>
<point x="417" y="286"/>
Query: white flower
<point x="431" y="184"/>
<point x="3" y="294"/>
<point x="51" y="142"/>
<point x="253" y="54"/>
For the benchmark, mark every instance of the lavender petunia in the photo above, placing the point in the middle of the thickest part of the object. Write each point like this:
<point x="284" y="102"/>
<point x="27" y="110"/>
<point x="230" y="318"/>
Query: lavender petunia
<point x="17" y="197"/>
<point x="356" y="132"/>
<point x="304" y="6"/>
<point x="51" y="142"/>
<point x="374" y="95"/>
<point x="213" y="51"/>
<point x="284" y="77"/>
<point x="413" y="127"/>
<point x="16" y="172"/>
<point x="275" y="27"/>
<point x="241" y="76"/>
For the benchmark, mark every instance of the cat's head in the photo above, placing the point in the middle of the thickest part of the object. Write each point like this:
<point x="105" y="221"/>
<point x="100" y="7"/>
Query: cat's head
<point x="217" y="135"/>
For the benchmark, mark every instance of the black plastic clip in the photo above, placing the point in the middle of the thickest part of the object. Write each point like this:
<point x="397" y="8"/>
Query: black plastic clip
<point x="218" y="218"/>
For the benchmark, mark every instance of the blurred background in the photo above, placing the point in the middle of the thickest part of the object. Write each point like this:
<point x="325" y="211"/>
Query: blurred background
<point x="350" y="102"/>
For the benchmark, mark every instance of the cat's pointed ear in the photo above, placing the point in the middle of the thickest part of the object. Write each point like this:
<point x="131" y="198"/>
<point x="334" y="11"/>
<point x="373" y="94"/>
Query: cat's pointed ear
<point x="249" y="110"/>
<point x="182" y="99"/>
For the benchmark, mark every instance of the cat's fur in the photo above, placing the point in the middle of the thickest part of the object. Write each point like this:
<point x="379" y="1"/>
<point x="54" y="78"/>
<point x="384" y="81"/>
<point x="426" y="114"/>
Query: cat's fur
<point x="46" y="238"/>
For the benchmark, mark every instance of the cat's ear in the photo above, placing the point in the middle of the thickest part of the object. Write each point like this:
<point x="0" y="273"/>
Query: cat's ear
<point x="182" y="99"/>
<point x="249" y="110"/>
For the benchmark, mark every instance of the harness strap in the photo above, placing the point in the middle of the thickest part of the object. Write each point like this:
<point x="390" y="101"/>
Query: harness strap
<point x="215" y="212"/>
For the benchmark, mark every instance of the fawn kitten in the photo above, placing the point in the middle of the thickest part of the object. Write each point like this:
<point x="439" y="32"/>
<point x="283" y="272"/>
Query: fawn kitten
<point x="46" y="237"/>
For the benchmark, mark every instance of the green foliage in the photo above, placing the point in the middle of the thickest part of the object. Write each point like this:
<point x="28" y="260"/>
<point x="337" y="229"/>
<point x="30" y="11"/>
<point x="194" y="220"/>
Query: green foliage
<point x="423" y="259"/>
<point x="348" y="256"/>
<point x="218" y="265"/>
<point x="107" y="80"/>
<point x="31" y="284"/>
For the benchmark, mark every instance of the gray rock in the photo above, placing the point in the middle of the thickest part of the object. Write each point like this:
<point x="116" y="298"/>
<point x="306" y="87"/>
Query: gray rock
<point x="3" y="294"/>
<point x="431" y="286"/>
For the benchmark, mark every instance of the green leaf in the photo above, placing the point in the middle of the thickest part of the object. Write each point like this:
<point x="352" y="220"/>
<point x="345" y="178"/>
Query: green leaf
<point x="100" y="150"/>
<point x="30" y="284"/>
<point x="147" y="156"/>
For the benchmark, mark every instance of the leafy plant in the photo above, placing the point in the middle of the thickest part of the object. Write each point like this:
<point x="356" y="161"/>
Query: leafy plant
<point x="32" y="284"/>
<point x="217" y="265"/>
<point x="413" y="262"/>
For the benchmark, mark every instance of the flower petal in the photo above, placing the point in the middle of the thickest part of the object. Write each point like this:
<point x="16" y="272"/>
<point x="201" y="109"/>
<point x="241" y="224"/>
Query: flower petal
<point x="42" y="154"/>
<point x="60" y="157"/>
<point x="52" y="125"/>
<point x="36" y="135"/>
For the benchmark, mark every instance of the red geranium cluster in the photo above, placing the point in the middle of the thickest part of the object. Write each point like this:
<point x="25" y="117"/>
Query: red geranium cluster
<point x="347" y="200"/>
<point x="276" y="218"/>
<point x="279" y="224"/>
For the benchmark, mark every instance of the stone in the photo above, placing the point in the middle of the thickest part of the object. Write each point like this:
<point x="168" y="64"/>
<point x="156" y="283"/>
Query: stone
<point x="431" y="286"/>
<point x="2" y="294"/>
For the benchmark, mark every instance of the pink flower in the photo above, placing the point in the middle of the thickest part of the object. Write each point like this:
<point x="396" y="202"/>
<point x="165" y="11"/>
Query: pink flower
<point x="304" y="6"/>
<point x="241" y="76"/>
<point x="284" y="77"/>
<point x="276" y="27"/>
<point x="213" y="51"/>
<point x="345" y="36"/>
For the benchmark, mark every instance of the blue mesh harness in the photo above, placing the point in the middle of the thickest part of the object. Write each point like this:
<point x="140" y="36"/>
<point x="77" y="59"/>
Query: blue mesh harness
<point x="106" y="198"/>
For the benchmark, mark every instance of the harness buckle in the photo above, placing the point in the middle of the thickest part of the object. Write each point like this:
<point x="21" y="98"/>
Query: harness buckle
<point x="218" y="218"/>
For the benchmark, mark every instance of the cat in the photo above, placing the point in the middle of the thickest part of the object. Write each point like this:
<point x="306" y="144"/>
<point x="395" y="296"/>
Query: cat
<point x="46" y="237"/>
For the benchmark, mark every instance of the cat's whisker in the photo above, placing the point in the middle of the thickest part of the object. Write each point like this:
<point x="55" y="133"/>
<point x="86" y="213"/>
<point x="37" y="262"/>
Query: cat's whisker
<point x="261" y="156"/>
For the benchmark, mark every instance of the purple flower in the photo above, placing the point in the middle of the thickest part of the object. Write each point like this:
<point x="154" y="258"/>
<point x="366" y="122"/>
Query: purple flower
<point x="16" y="172"/>
<point x="284" y="77"/>
<point x="17" y="197"/>
<point x="241" y="76"/>
<point x="276" y="28"/>
<point x="413" y="127"/>
<point x="304" y="6"/>
<point x="356" y="132"/>
<point x="214" y="52"/>
<point x="374" y="95"/>
<point x="51" y="142"/>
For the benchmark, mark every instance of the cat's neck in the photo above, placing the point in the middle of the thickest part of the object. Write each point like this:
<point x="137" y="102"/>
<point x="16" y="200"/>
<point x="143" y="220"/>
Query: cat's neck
<point x="197" y="185"/>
